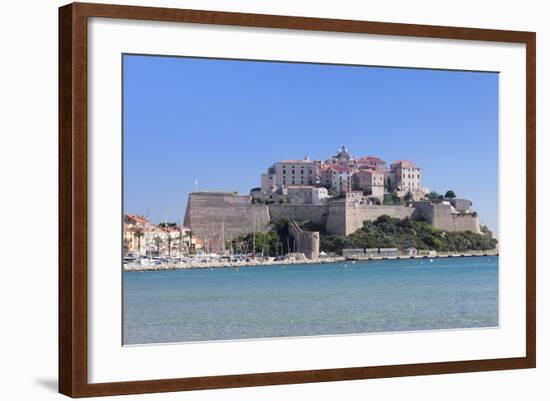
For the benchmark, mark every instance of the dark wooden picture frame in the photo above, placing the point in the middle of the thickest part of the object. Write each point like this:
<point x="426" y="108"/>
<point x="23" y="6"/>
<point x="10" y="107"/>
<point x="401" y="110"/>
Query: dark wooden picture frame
<point x="73" y="204"/>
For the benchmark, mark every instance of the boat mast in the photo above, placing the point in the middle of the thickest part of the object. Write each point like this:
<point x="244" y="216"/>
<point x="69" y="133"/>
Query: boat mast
<point x="254" y="235"/>
<point x="223" y="234"/>
<point x="167" y="232"/>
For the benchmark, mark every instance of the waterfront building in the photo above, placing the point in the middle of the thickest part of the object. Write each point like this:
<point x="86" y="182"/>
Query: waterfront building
<point x="388" y="252"/>
<point x="352" y="252"/>
<point x="145" y="239"/>
<point x="130" y="240"/>
<point x="135" y="220"/>
<point x="371" y="252"/>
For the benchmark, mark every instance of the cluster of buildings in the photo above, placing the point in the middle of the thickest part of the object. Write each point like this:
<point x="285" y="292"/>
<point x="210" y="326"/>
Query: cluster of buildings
<point x="313" y="181"/>
<point x="145" y="239"/>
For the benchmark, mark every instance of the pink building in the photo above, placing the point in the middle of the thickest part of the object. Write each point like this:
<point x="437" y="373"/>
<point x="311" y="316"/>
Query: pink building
<point x="371" y="163"/>
<point x="371" y="181"/>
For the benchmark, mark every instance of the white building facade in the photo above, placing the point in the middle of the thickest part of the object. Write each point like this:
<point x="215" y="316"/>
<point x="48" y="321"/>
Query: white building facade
<point x="291" y="172"/>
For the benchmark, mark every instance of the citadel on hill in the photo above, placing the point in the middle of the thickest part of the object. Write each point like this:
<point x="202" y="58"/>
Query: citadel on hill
<point x="296" y="181"/>
<point x="338" y="195"/>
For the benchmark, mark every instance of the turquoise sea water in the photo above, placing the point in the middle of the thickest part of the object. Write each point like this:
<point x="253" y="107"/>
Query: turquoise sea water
<point x="307" y="300"/>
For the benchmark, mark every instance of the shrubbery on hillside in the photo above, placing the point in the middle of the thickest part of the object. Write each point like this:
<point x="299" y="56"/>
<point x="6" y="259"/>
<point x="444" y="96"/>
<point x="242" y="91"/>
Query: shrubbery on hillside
<point x="389" y="232"/>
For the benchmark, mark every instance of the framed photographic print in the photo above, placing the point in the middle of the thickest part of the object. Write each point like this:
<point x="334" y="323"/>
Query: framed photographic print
<point x="252" y="200"/>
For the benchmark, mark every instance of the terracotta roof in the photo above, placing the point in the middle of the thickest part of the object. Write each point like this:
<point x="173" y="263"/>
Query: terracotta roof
<point x="370" y="171"/>
<point x="371" y="159"/>
<point x="170" y="229"/>
<point x="339" y="168"/>
<point x="137" y="218"/>
<point x="405" y="163"/>
<point x="296" y="161"/>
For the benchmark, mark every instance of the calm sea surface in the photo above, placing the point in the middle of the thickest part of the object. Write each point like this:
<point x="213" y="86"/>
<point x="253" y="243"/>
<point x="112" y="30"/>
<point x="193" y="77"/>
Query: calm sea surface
<point x="306" y="300"/>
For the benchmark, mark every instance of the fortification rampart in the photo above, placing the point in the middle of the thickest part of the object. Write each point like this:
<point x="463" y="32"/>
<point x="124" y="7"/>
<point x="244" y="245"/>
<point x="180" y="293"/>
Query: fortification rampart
<point x="356" y="215"/>
<point x="316" y="214"/>
<point x="216" y="215"/>
<point x="336" y="219"/>
<point x="306" y="242"/>
<point x="463" y="222"/>
<point x="442" y="216"/>
<point x="213" y="216"/>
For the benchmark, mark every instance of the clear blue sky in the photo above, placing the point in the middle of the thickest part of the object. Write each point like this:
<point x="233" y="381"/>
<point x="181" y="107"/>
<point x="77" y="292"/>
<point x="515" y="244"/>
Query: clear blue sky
<point x="225" y="121"/>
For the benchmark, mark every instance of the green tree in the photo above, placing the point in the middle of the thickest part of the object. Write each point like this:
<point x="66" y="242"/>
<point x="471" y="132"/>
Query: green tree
<point x="180" y="241"/>
<point x="485" y="230"/>
<point x="157" y="240"/>
<point x="191" y="246"/>
<point x="139" y="234"/>
<point x="169" y="240"/>
<point x="432" y="195"/>
<point x="392" y="199"/>
<point x="261" y="243"/>
<point x="450" y="194"/>
<point x="167" y="225"/>
<point x="389" y="184"/>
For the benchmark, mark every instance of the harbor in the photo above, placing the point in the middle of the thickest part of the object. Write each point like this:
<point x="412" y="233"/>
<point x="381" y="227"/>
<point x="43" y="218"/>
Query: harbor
<point x="211" y="261"/>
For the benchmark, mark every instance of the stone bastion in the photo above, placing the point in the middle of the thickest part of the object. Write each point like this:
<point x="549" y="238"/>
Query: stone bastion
<point x="217" y="215"/>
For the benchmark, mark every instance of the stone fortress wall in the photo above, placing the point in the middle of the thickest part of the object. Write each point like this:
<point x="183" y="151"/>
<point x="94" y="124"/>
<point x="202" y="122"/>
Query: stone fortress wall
<point x="356" y="215"/>
<point x="317" y="214"/>
<point x="306" y="242"/>
<point x="440" y="215"/>
<point x="210" y="213"/>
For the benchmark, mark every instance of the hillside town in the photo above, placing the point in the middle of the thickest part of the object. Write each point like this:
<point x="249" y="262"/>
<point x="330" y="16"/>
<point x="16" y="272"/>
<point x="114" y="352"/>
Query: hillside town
<point x="142" y="238"/>
<point x="337" y="197"/>
<point x="315" y="181"/>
